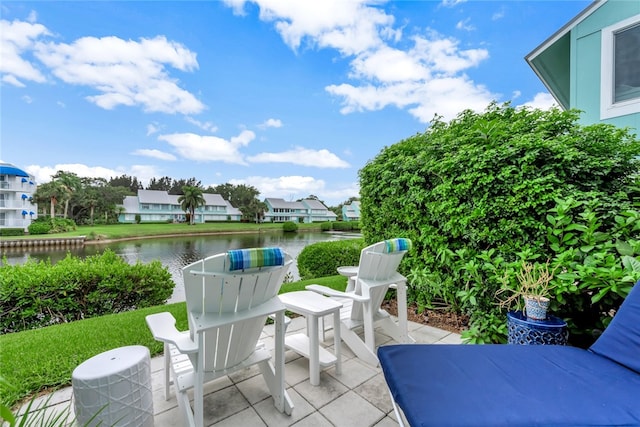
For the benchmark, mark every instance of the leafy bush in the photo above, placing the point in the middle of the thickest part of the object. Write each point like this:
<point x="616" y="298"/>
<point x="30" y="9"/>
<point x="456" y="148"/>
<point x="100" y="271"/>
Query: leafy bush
<point x="289" y="227"/>
<point x="325" y="226"/>
<point x="342" y="226"/>
<point x="39" y="227"/>
<point x="11" y="232"/>
<point x="323" y="258"/>
<point x="485" y="192"/>
<point x="138" y="218"/>
<point x="37" y="294"/>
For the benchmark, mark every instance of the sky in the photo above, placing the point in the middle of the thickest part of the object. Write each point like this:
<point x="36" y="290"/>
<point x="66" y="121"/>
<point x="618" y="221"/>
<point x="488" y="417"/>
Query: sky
<point x="292" y="97"/>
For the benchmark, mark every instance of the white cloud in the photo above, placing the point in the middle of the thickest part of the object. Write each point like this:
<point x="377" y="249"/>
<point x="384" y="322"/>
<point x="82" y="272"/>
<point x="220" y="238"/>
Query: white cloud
<point x="204" y="148"/>
<point x="44" y="173"/>
<point x="302" y="156"/>
<point x="418" y="77"/>
<point x="17" y="38"/>
<point x="156" y="154"/>
<point x="498" y="15"/>
<point x="452" y="3"/>
<point x="541" y="100"/>
<point x="465" y="25"/>
<point x="27" y="99"/>
<point x="152" y="128"/>
<point x="208" y="126"/>
<point x="125" y="72"/>
<point x="296" y="187"/>
<point x="348" y="26"/>
<point x="271" y="123"/>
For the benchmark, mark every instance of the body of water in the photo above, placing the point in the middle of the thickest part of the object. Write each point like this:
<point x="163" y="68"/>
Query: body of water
<point x="177" y="252"/>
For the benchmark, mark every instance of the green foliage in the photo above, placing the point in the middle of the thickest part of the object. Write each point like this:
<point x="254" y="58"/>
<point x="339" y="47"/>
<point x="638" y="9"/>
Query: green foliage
<point x="485" y="192"/>
<point x="323" y="258"/>
<point x="289" y="227"/>
<point x="138" y="218"/>
<point x="39" y="227"/>
<point x="325" y="226"/>
<point x="345" y="226"/>
<point x="11" y="232"/>
<point x="37" y="294"/>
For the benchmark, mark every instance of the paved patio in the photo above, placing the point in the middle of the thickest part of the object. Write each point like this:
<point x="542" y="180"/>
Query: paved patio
<point x="357" y="397"/>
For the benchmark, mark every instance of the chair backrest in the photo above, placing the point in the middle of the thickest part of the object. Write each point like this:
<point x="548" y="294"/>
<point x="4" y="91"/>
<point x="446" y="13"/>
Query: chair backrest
<point x="379" y="264"/>
<point x="620" y="342"/>
<point x="227" y="284"/>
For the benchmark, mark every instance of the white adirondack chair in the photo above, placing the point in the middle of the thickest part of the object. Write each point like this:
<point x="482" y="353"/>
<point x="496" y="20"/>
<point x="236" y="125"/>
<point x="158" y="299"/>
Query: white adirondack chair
<point x="377" y="272"/>
<point x="229" y="297"/>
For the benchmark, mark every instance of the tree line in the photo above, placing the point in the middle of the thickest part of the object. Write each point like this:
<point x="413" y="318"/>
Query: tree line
<point x="98" y="200"/>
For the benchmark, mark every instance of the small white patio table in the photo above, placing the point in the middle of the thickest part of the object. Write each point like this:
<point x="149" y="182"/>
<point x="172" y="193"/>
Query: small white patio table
<point x="313" y="306"/>
<point x="350" y="272"/>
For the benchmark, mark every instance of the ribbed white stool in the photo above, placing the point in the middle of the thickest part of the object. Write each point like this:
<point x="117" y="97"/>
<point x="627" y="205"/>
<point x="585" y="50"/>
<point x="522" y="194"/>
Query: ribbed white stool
<point x="114" y="387"/>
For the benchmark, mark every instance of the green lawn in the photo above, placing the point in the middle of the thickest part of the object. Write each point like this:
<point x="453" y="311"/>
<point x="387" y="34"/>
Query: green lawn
<point x="123" y="231"/>
<point x="41" y="359"/>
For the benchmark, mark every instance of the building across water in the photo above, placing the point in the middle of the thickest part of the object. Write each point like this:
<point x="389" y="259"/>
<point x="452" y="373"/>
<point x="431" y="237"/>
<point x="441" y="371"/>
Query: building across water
<point x="17" y="208"/>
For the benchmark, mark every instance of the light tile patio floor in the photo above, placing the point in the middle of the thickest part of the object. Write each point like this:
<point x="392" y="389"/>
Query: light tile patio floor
<point x="356" y="397"/>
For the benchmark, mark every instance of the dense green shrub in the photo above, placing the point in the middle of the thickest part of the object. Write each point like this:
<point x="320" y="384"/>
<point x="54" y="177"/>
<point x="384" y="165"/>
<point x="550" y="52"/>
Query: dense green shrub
<point x="37" y="294"/>
<point x="342" y="226"/>
<point x="11" y="232"/>
<point x="323" y="258"/>
<point x="325" y="226"/>
<point x="39" y="227"/>
<point x="482" y="193"/>
<point x="138" y="218"/>
<point x="47" y="225"/>
<point x="289" y="227"/>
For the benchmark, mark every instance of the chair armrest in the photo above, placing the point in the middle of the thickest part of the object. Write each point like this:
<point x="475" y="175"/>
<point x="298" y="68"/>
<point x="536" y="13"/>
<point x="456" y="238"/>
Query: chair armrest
<point x="163" y="328"/>
<point x="324" y="290"/>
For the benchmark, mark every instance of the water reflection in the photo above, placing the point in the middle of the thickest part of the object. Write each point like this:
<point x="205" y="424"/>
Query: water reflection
<point x="177" y="252"/>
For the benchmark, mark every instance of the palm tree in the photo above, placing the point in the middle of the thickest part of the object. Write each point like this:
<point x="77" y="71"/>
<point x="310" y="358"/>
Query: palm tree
<point x="51" y="191"/>
<point x="191" y="199"/>
<point x="69" y="183"/>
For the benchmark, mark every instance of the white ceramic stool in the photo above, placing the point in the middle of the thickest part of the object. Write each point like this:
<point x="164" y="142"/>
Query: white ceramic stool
<point x="114" y="388"/>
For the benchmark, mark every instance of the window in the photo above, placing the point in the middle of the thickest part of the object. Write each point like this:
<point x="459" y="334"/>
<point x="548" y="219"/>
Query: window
<point x="620" y="72"/>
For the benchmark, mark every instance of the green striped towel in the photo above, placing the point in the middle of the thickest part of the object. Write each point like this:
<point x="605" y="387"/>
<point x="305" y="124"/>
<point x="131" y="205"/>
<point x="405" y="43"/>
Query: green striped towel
<point x="396" y="245"/>
<point x="240" y="259"/>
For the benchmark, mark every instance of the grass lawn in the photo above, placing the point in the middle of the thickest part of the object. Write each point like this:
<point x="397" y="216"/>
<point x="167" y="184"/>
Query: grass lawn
<point x="123" y="231"/>
<point x="40" y="359"/>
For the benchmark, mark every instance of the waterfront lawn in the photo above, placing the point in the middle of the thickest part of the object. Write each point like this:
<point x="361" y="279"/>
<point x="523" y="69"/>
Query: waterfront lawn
<point x="124" y="231"/>
<point x="42" y="359"/>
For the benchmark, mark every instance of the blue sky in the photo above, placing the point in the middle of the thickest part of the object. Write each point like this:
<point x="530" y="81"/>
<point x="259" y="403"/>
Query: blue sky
<point x="292" y="97"/>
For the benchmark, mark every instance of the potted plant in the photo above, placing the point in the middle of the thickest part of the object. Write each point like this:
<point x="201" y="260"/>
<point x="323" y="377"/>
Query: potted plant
<point x="534" y="289"/>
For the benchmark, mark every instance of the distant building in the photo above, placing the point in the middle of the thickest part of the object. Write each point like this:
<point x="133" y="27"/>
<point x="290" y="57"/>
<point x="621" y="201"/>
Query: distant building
<point x="307" y="211"/>
<point x="593" y="63"/>
<point x="17" y="187"/>
<point x="157" y="206"/>
<point x="351" y="211"/>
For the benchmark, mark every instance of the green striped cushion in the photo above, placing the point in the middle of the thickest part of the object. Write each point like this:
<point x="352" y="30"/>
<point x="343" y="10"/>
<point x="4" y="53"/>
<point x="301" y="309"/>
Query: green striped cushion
<point x="399" y="244"/>
<point x="240" y="259"/>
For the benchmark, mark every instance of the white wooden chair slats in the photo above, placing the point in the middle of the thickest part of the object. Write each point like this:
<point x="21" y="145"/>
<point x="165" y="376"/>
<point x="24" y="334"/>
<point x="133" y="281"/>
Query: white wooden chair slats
<point x="377" y="272"/>
<point x="227" y="311"/>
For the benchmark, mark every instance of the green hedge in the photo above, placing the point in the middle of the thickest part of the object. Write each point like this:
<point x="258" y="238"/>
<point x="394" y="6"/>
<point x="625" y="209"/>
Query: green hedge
<point x="289" y="227"/>
<point x="323" y="258"/>
<point x="38" y="294"/>
<point x="11" y="232"/>
<point x="482" y="193"/>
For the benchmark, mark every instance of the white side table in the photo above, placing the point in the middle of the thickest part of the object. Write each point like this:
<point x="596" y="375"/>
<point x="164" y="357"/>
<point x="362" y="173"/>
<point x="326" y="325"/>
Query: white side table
<point x="115" y="385"/>
<point x="350" y="272"/>
<point x="314" y="306"/>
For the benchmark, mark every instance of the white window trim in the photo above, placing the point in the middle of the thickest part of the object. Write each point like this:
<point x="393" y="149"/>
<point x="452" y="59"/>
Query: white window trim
<point x="609" y="109"/>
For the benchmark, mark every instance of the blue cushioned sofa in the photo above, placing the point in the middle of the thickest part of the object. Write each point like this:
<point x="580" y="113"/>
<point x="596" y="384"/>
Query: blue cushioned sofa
<point x="514" y="385"/>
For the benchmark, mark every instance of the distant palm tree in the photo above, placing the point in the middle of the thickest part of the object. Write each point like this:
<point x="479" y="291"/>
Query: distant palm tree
<point x="192" y="198"/>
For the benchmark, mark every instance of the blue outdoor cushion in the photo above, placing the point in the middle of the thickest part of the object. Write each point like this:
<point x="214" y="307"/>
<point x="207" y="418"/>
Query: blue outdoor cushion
<point x="620" y="342"/>
<point x="509" y="385"/>
<point x="241" y="259"/>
